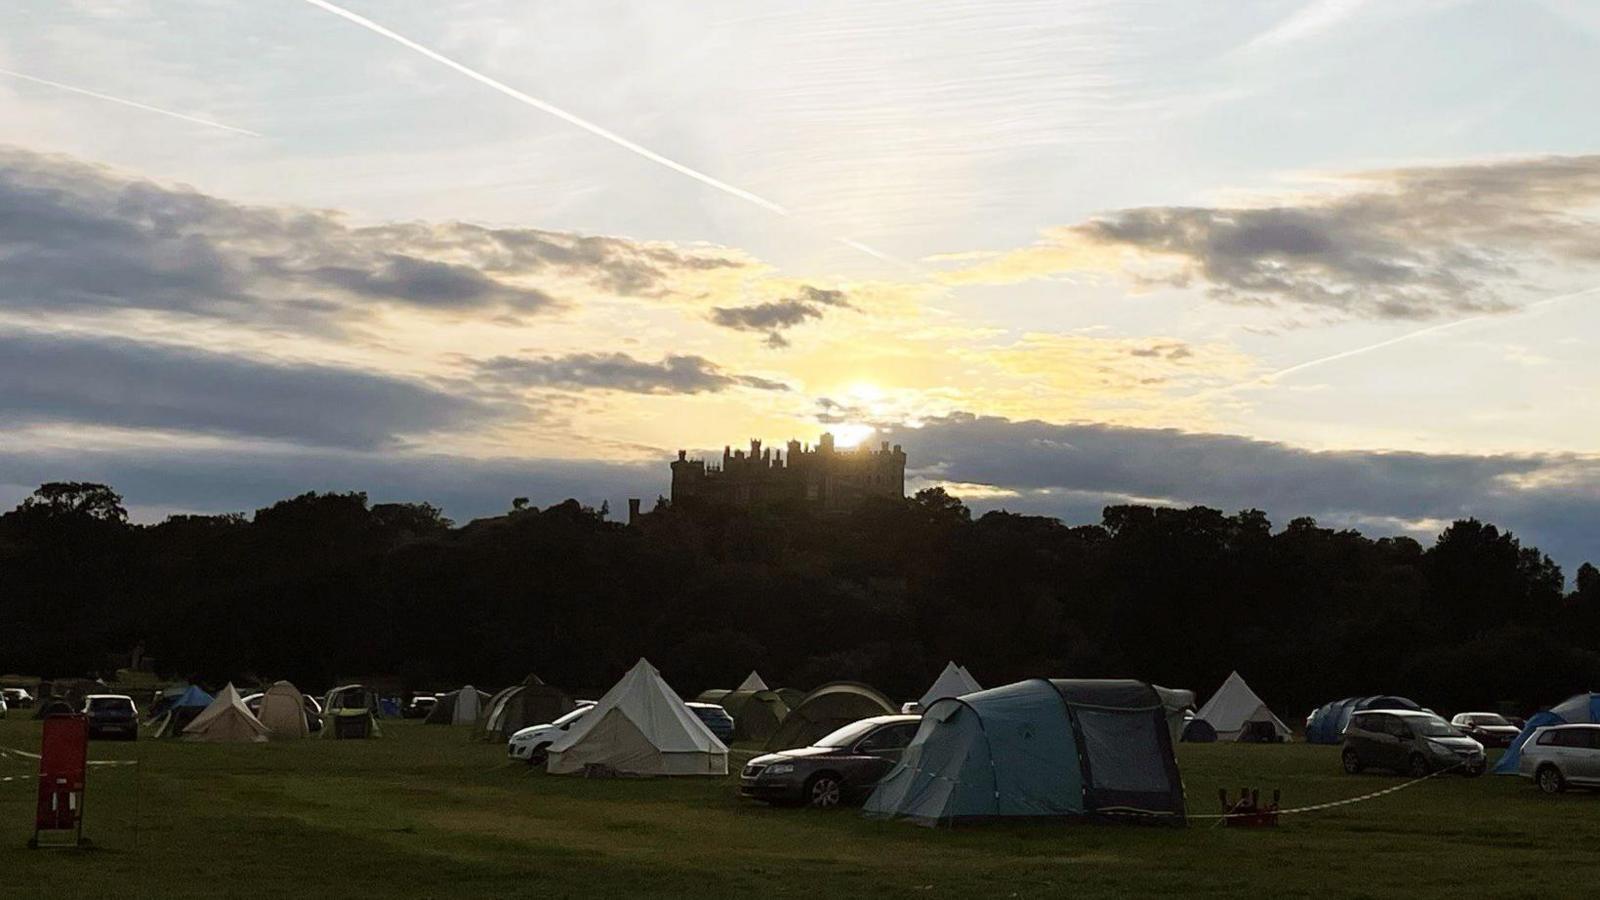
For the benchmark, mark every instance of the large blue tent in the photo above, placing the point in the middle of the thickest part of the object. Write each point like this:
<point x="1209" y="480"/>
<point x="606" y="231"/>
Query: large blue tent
<point x="1070" y="748"/>
<point x="1575" y="710"/>
<point x="1326" y="723"/>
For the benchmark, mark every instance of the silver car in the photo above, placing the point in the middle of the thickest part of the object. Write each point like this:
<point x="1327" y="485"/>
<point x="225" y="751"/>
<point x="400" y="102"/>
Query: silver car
<point x="1560" y="756"/>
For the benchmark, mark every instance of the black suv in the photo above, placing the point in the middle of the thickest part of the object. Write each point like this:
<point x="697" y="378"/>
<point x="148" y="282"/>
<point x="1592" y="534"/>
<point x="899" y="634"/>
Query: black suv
<point x="1408" y="741"/>
<point x="842" y="767"/>
<point x="112" y="716"/>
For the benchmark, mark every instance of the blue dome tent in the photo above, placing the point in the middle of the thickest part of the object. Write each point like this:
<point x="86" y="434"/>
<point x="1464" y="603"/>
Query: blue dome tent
<point x="1039" y="748"/>
<point x="1326" y="723"/>
<point x="1575" y="710"/>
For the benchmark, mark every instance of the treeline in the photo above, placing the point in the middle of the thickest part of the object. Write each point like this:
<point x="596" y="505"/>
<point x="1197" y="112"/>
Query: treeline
<point x="326" y="585"/>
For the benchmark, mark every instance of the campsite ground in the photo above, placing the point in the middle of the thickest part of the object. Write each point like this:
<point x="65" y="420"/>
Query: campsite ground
<point x="425" y="813"/>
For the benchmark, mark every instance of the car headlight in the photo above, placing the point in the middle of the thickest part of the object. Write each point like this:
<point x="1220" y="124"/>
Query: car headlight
<point x="781" y="769"/>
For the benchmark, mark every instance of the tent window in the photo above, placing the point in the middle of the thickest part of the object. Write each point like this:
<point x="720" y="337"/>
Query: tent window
<point x="1124" y="753"/>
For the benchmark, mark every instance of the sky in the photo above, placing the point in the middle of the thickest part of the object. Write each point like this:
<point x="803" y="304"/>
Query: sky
<point x="1326" y="258"/>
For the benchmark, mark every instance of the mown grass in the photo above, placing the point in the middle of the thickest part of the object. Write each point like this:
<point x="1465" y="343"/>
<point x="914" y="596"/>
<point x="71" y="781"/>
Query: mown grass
<point x="425" y="813"/>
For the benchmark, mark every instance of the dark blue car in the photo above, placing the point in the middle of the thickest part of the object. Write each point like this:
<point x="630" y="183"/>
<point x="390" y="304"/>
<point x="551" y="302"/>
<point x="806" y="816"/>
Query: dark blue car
<point x="716" y="719"/>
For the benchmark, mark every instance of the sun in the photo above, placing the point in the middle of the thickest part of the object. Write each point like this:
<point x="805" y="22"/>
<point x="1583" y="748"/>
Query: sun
<point x="851" y="434"/>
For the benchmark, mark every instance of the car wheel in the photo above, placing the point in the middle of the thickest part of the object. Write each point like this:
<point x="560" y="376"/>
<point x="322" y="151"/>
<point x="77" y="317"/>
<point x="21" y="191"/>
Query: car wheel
<point x="824" y="791"/>
<point x="540" y="755"/>
<point x="1550" y="780"/>
<point x="1352" y="762"/>
<point x="1417" y="766"/>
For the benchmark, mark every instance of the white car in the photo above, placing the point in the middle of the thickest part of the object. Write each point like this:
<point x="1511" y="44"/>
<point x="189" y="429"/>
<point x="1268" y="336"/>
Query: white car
<point x="530" y="743"/>
<point x="1560" y="756"/>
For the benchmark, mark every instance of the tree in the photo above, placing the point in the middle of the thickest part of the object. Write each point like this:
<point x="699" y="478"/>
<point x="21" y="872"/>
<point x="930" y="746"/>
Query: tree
<point x="76" y="498"/>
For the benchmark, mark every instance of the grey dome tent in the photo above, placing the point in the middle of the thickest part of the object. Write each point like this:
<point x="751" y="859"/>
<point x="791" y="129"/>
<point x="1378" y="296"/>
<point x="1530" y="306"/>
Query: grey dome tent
<point x="713" y="695"/>
<point x="459" y="707"/>
<point x="1039" y="748"/>
<point x="530" y="703"/>
<point x="756" y="714"/>
<point x="825" y="710"/>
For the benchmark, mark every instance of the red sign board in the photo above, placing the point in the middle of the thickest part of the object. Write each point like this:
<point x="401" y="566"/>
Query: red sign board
<point x="63" y="768"/>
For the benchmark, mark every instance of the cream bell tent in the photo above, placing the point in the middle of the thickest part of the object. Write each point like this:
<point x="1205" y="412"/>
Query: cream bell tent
<point x="283" y="711"/>
<point x="640" y="727"/>
<point x="226" y="719"/>
<point x="1239" y="715"/>
<point x="752" y="683"/>
<point x="952" y="682"/>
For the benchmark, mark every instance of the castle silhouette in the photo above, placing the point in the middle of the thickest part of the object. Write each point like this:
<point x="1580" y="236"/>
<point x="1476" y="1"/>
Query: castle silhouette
<point x="821" y="476"/>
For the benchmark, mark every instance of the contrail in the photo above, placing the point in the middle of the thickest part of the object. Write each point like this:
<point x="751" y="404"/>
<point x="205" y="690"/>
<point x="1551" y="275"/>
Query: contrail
<point x="136" y="105"/>
<point x="1271" y="377"/>
<point x="574" y="119"/>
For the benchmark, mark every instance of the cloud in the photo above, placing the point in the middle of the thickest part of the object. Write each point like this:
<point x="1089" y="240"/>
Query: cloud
<point x="777" y="316"/>
<point x="111" y="382"/>
<point x="1310" y="20"/>
<point x="1074" y="469"/>
<point x="1407" y="243"/>
<point x="76" y="237"/>
<point x="619" y="372"/>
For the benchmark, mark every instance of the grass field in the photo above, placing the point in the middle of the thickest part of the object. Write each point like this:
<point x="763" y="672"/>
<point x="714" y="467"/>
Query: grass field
<point x="423" y="812"/>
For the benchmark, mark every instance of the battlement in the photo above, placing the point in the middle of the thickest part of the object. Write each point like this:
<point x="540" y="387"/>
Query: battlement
<point x="821" y="475"/>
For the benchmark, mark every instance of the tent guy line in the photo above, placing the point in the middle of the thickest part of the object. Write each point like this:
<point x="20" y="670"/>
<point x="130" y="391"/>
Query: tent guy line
<point x="580" y="122"/>
<point x="195" y="120"/>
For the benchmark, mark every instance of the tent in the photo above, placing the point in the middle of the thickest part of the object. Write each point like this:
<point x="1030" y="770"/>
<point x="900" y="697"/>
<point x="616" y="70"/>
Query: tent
<point x="791" y="697"/>
<point x="350" y="711"/>
<point x="283" y="711"/>
<point x="226" y="720"/>
<point x="1575" y="710"/>
<point x="530" y="703"/>
<point x="640" y="727"/>
<point x="1178" y="705"/>
<point x="825" y="710"/>
<point x="174" y="711"/>
<point x="1326" y="723"/>
<point x="713" y="695"/>
<point x="1038" y="748"/>
<point x="952" y="682"/>
<point x="756" y="714"/>
<point x="460" y="707"/>
<point x="1237" y="714"/>
<point x="1199" y="731"/>
<point x="752" y="682"/>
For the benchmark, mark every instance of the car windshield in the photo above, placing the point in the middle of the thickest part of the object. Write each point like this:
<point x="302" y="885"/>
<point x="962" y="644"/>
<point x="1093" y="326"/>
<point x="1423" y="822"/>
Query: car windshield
<point x="573" y="716"/>
<point x="110" y="704"/>
<point x="1488" y="719"/>
<point x="1434" y="728"/>
<point x="847" y="735"/>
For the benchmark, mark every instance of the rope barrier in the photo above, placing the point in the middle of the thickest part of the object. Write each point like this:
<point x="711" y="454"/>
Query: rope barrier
<point x="1315" y="807"/>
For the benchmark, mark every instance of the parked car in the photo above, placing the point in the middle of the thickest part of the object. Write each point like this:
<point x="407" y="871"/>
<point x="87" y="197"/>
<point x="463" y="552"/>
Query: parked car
<point x="112" y="716"/>
<point x="1560" y="756"/>
<point x="420" y="706"/>
<point x="841" y="767"/>
<point x="17" y="698"/>
<point x="1488" y="729"/>
<point x="530" y="744"/>
<point x="1413" y="742"/>
<point x="716" y="719"/>
<point x="3" y="707"/>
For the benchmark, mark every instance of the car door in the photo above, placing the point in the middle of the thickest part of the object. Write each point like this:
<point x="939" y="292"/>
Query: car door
<point x="1389" y="732"/>
<point x="1583" y="755"/>
<point x="882" y="749"/>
